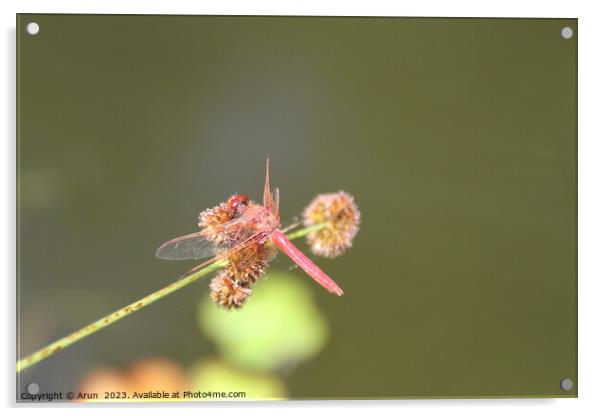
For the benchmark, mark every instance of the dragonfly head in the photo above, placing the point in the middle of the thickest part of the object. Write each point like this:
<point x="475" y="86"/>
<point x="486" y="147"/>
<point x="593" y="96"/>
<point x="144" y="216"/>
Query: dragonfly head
<point x="236" y="202"/>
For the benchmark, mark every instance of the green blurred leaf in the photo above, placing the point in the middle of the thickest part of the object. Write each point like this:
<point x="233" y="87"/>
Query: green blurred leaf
<point x="280" y="325"/>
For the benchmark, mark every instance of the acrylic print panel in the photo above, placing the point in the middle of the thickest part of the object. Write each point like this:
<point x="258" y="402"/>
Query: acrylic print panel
<point x="454" y="138"/>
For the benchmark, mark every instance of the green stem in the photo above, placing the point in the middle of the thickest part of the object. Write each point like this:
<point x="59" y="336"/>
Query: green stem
<point x="96" y="326"/>
<point x="304" y="231"/>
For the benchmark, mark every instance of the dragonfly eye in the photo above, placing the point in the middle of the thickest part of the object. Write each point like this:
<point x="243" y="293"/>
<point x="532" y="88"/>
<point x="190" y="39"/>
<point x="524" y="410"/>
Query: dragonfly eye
<point x="236" y="201"/>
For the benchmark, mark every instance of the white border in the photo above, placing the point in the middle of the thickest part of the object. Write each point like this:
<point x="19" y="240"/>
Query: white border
<point x="590" y="199"/>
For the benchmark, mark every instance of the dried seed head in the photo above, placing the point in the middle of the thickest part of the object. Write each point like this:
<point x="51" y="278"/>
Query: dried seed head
<point x="250" y="263"/>
<point x="212" y="220"/>
<point x="227" y="292"/>
<point x="342" y="218"/>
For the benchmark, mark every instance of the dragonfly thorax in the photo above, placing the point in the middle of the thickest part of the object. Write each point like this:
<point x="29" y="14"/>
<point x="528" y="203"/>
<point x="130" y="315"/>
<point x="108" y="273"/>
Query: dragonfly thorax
<point x="262" y="219"/>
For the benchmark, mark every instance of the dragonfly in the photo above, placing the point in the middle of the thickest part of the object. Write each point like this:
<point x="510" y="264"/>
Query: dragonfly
<point x="249" y="224"/>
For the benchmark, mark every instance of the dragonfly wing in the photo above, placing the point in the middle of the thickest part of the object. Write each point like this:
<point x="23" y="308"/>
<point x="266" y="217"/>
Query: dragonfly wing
<point x="258" y="238"/>
<point x="189" y="247"/>
<point x="196" y="246"/>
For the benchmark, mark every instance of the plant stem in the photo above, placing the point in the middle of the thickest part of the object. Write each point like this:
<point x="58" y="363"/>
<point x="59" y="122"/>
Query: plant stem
<point x="96" y="326"/>
<point x="304" y="231"/>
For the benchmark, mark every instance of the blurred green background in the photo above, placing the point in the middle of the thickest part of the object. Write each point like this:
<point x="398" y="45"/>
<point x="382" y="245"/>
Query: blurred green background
<point x="457" y="138"/>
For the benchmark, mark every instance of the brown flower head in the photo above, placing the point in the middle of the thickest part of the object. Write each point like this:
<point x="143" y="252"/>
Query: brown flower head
<point x="250" y="263"/>
<point x="341" y="216"/>
<point x="227" y="292"/>
<point x="212" y="220"/>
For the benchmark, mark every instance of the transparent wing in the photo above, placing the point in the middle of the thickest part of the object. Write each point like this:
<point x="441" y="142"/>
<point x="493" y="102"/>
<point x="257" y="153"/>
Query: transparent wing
<point x="188" y="247"/>
<point x="195" y="246"/>
<point x="258" y="238"/>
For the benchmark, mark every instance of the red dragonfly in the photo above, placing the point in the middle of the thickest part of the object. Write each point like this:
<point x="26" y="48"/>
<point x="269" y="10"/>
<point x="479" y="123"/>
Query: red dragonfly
<point x="251" y="224"/>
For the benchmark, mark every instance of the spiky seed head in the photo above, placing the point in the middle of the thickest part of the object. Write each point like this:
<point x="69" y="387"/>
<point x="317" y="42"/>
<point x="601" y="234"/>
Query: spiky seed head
<point x="341" y="216"/>
<point x="250" y="263"/>
<point x="212" y="220"/>
<point x="227" y="292"/>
